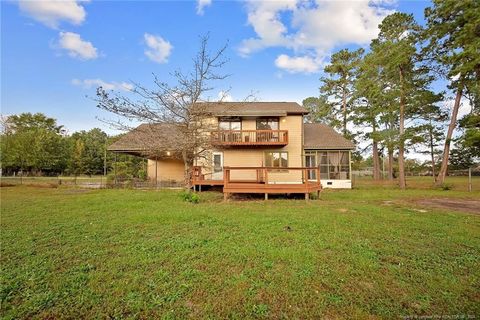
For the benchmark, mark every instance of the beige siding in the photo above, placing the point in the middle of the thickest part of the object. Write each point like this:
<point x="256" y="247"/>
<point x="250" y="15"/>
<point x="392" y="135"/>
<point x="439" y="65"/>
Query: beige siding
<point x="245" y="157"/>
<point x="166" y="170"/>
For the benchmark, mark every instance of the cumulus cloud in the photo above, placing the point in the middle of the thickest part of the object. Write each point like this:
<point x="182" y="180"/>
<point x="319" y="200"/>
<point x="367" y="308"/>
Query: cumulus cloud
<point x="314" y="29"/>
<point x="76" y="46"/>
<point x="51" y="13"/>
<point x="303" y="64"/>
<point x="201" y="4"/>
<point x="93" y="83"/>
<point x="464" y="109"/>
<point x="158" y="49"/>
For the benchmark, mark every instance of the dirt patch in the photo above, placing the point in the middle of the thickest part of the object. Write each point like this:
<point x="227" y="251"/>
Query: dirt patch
<point x="75" y="191"/>
<point x="471" y="206"/>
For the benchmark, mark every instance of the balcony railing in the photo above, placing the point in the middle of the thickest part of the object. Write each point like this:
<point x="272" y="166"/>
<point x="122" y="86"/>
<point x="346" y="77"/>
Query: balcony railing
<point x="250" y="137"/>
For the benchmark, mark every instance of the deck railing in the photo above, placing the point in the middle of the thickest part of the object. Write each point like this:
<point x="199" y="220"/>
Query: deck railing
<point x="250" y="137"/>
<point x="264" y="175"/>
<point x="263" y="180"/>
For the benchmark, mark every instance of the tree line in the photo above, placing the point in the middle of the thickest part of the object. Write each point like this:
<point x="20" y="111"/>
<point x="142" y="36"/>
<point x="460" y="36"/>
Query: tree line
<point x="34" y="144"/>
<point x="402" y="93"/>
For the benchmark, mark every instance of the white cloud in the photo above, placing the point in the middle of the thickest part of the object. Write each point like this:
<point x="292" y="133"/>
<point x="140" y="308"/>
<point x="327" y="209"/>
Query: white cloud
<point x="201" y="4"/>
<point x="314" y="29"/>
<point x="225" y="96"/>
<point x="159" y="49"/>
<point x="464" y="109"/>
<point x="264" y="17"/>
<point x="303" y="64"/>
<point x="93" y="83"/>
<point x="76" y="46"/>
<point x="51" y="13"/>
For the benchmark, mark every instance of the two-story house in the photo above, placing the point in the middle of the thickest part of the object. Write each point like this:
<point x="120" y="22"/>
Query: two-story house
<point x="256" y="147"/>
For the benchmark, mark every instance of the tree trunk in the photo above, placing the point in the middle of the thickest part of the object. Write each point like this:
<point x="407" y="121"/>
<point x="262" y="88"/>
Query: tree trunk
<point x="187" y="170"/>
<point x="401" y="145"/>
<point x="390" y="163"/>
<point x="344" y="110"/>
<point x="432" y="154"/>
<point x="446" y="150"/>
<point x="375" y="156"/>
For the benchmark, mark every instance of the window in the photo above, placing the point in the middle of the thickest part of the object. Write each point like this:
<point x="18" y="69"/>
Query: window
<point x="217" y="162"/>
<point x="276" y="159"/>
<point x="229" y="123"/>
<point x="267" y="124"/>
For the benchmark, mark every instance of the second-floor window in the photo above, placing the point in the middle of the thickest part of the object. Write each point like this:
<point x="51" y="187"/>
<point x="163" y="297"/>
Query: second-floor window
<point x="229" y="123"/>
<point x="267" y="124"/>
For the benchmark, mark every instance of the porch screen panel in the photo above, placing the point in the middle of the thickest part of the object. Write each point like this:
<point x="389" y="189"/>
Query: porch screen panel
<point x="323" y="163"/>
<point x="334" y="164"/>
<point x="344" y="165"/>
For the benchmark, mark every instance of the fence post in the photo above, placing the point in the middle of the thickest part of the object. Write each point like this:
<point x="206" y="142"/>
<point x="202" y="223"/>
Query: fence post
<point x="156" y="172"/>
<point x="115" y="170"/>
<point x="469" y="179"/>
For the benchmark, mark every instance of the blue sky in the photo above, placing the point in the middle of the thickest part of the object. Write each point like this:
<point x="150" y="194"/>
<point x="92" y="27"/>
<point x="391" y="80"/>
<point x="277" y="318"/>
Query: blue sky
<point x="55" y="54"/>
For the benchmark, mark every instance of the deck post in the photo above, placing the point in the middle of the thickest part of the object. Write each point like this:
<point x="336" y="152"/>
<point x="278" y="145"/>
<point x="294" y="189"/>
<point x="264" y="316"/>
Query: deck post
<point x="305" y="179"/>
<point x="199" y="188"/>
<point x="307" y="196"/>
<point x="266" y="196"/>
<point x="225" y="196"/>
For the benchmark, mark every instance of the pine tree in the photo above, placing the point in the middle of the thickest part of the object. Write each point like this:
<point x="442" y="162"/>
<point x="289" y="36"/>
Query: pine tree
<point x="338" y="84"/>
<point x="453" y="43"/>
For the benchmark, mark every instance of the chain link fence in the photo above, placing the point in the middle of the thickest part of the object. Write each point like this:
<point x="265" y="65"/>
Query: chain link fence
<point x="92" y="182"/>
<point x="461" y="180"/>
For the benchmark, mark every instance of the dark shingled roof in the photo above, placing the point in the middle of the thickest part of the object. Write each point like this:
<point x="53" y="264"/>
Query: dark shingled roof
<point x="321" y="136"/>
<point x="251" y="108"/>
<point x="161" y="136"/>
<point x="147" y="137"/>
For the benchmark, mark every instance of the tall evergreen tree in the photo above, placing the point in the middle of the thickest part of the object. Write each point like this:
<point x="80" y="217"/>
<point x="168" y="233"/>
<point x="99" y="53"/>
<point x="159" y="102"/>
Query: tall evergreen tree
<point x="453" y="41"/>
<point x="395" y="49"/>
<point x="320" y="111"/>
<point x="338" y="84"/>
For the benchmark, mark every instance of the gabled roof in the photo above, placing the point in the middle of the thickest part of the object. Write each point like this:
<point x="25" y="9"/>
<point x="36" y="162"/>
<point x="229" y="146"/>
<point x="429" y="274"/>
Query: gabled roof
<point x="162" y="136"/>
<point x="147" y="137"/>
<point x="251" y="108"/>
<point x="321" y="136"/>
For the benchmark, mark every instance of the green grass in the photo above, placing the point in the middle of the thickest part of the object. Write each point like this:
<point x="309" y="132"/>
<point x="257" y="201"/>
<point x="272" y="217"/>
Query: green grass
<point x="363" y="253"/>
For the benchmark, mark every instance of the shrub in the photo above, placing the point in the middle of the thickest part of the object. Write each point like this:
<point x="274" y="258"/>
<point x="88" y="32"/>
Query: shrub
<point x="446" y="186"/>
<point x="142" y="174"/>
<point x="190" y="197"/>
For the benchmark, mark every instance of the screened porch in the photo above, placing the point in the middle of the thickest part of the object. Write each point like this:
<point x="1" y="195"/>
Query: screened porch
<point x="334" y="164"/>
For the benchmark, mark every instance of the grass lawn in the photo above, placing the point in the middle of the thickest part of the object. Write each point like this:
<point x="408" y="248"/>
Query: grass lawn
<point x="371" y="252"/>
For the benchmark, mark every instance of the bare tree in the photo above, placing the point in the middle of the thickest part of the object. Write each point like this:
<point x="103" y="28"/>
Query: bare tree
<point x="178" y="109"/>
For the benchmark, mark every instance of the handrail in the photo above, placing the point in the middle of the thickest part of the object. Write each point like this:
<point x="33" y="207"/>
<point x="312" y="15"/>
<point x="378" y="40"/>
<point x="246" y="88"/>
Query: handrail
<point x="262" y="174"/>
<point x="270" y="168"/>
<point x="250" y="130"/>
<point x="265" y="170"/>
<point x="250" y="137"/>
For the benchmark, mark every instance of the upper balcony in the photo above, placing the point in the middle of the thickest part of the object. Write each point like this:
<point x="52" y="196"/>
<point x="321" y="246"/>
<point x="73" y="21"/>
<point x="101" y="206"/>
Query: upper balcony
<point x="250" y="138"/>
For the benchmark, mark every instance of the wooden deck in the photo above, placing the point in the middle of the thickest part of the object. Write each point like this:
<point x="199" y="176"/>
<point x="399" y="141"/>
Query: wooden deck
<point x="262" y="183"/>
<point x="250" y="138"/>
